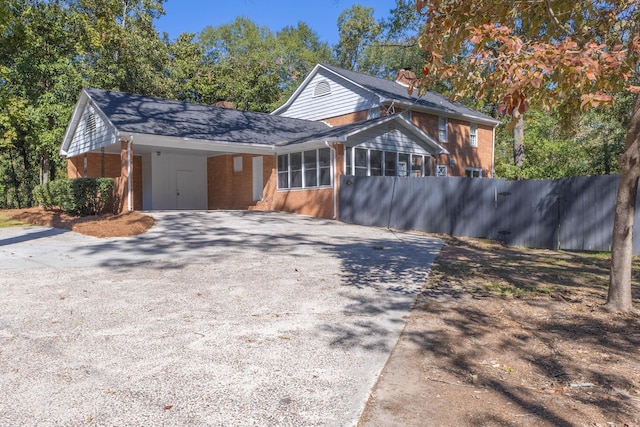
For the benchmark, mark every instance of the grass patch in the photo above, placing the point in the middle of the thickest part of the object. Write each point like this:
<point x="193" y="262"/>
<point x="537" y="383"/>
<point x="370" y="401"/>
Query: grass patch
<point x="6" y="222"/>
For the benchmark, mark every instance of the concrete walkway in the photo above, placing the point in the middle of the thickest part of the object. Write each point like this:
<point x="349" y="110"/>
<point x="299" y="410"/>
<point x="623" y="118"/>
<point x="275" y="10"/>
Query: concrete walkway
<point x="210" y="318"/>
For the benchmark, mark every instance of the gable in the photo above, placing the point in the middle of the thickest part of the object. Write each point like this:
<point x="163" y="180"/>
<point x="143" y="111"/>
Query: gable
<point x="92" y="132"/>
<point x="326" y="95"/>
<point x="393" y="140"/>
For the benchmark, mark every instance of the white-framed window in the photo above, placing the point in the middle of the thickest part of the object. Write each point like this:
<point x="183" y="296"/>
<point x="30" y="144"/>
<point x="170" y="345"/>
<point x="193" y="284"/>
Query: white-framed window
<point x="473" y="173"/>
<point x="441" y="170"/>
<point x="237" y="164"/>
<point x="372" y="162"/>
<point x="322" y="88"/>
<point x="473" y="134"/>
<point x="307" y="169"/>
<point x="443" y="134"/>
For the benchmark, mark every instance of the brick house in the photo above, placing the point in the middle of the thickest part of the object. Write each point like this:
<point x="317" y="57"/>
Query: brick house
<point x="338" y="96"/>
<point x="167" y="154"/>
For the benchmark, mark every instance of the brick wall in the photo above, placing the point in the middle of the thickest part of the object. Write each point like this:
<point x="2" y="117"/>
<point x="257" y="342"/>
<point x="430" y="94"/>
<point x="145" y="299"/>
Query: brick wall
<point x="316" y="202"/>
<point x="345" y="119"/>
<point x="234" y="190"/>
<point x="462" y="153"/>
<point x="112" y="169"/>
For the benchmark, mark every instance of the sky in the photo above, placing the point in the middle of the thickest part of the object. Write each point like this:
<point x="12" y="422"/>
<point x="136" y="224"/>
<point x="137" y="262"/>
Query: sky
<point x="321" y="15"/>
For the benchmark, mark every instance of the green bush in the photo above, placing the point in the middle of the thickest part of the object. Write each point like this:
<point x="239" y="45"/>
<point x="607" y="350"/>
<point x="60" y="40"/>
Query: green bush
<point x="80" y="196"/>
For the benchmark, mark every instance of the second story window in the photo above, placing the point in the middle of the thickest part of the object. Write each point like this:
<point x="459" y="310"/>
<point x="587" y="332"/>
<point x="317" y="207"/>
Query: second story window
<point x="442" y="129"/>
<point x="473" y="134"/>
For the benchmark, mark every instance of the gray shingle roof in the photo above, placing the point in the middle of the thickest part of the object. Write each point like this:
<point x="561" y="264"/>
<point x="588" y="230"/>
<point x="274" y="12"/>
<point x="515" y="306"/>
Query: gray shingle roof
<point x="396" y="92"/>
<point x="157" y="116"/>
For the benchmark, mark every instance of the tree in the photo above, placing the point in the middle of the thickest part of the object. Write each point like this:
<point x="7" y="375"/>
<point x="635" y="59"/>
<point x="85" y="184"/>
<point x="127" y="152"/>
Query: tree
<point x="242" y="61"/>
<point x="121" y="48"/>
<point x="396" y="46"/>
<point x="298" y="50"/>
<point x="556" y="53"/>
<point x="358" y="29"/>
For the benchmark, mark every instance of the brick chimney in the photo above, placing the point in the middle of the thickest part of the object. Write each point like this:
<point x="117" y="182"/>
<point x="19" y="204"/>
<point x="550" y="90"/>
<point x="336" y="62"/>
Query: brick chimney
<point x="225" y="104"/>
<point x="406" y="77"/>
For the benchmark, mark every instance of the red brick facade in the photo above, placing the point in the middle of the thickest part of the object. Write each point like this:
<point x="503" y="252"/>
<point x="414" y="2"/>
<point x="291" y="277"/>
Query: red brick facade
<point x="234" y="190"/>
<point x="114" y="167"/>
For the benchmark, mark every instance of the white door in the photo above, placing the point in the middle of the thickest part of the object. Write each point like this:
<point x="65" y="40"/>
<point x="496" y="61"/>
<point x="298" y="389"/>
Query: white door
<point x="186" y="195"/>
<point x="258" y="183"/>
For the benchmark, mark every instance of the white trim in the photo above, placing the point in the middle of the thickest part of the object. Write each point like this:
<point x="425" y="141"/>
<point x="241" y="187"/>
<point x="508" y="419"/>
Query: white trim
<point x="445" y="120"/>
<point x="472" y="170"/>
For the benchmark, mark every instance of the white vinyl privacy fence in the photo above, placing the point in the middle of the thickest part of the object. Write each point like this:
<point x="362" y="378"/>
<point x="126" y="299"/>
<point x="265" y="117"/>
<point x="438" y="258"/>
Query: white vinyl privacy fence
<point x="568" y="213"/>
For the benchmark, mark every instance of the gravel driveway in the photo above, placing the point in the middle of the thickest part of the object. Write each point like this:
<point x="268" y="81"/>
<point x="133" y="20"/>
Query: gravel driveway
<point x="211" y="318"/>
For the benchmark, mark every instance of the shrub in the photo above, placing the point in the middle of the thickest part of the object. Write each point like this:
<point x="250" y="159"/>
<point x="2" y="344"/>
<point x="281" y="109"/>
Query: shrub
<point x="80" y="196"/>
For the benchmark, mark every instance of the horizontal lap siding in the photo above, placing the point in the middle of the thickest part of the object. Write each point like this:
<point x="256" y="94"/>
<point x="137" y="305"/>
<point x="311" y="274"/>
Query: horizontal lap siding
<point x="85" y="140"/>
<point x="345" y="98"/>
<point x="392" y="141"/>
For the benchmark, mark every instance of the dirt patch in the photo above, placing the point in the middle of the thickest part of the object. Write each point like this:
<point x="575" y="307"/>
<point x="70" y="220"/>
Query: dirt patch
<point x="122" y="225"/>
<point x="513" y="337"/>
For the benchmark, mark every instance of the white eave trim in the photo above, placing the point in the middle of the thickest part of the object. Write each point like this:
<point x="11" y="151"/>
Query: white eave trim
<point x="180" y="143"/>
<point x="311" y="75"/>
<point x="83" y="102"/>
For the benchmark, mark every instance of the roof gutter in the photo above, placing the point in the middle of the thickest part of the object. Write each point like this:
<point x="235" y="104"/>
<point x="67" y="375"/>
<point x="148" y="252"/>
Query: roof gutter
<point x="414" y="106"/>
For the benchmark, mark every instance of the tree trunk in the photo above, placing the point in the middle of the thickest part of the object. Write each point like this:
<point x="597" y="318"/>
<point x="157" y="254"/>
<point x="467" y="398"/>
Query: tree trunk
<point x="518" y="139"/>
<point x="620" y="298"/>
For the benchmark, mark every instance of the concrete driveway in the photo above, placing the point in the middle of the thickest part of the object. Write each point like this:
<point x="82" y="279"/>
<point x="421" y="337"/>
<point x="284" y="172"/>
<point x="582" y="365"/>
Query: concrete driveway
<point x="210" y="318"/>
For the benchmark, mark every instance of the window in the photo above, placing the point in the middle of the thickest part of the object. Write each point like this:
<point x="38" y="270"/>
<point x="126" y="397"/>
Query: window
<point x="442" y="129"/>
<point x="371" y="162"/>
<point x="283" y="171"/>
<point x="237" y="164"/>
<point x="441" y="170"/>
<point x="308" y="169"/>
<point x="322" y="88"/>
<point x="403" y="164"/>
<point x="361" y="162"/>
<point x="473" y="134"/>
<point x="375" y="163"/>
<point x="311" y="168"/>
<point x="295" y="162"/>
<point x="390" y="163"/>
<point x="324" y="165"/>
<point x="473" y="173"/>
<point x="416" y="166"/>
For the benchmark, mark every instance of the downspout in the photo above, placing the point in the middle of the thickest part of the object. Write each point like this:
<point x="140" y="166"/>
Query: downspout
<point x="335" y="179"/>
<point x="129" y="194"/>
<point x="493" y="152"/>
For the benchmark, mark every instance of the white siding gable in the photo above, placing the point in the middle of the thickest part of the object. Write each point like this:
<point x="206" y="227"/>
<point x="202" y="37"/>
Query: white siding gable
<point x="394" y="140"/>
<point x="342" y="98"/>
<point x="91" y="133"/>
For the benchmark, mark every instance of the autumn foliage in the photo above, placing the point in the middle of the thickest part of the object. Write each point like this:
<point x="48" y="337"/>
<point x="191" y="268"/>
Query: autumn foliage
<point x="560" y="54"/>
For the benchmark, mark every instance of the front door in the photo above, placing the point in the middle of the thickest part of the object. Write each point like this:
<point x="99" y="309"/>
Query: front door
<point x="186" y="196"/>
<point x="258" y="183"/>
